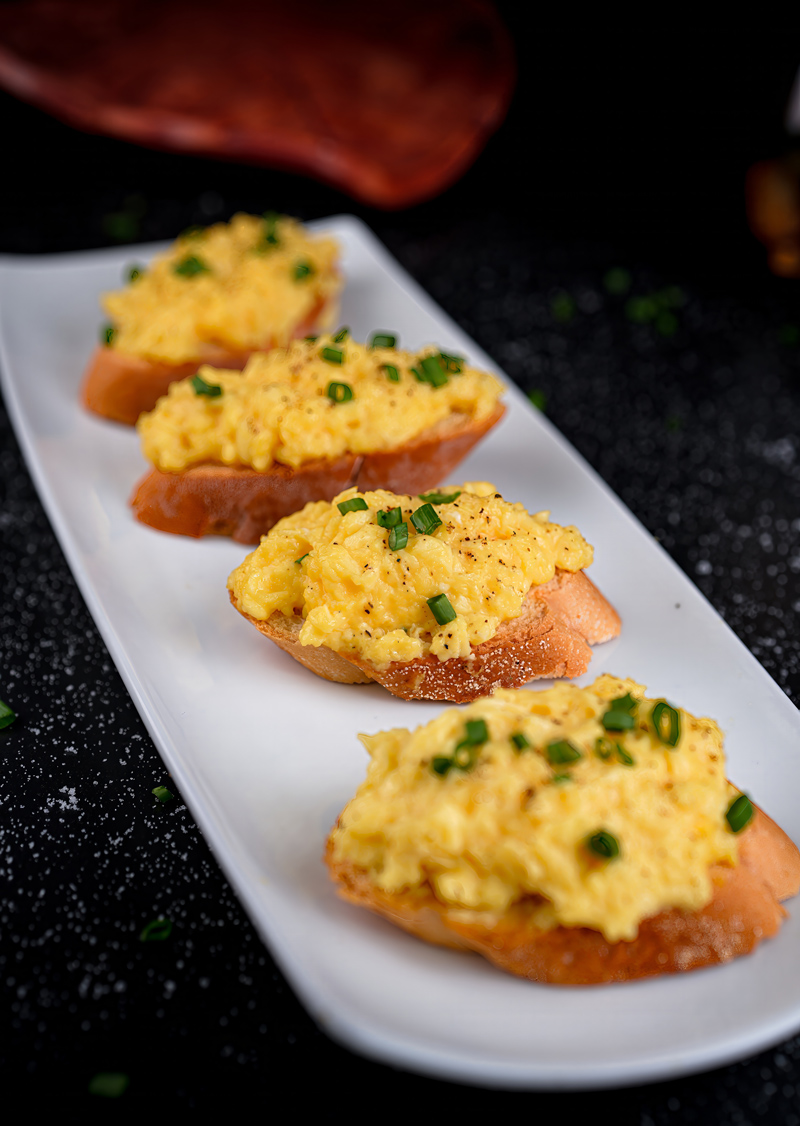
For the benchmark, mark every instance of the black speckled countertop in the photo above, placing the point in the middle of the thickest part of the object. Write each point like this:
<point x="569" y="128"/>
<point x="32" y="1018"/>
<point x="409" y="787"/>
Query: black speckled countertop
<point x="693" y="420"/>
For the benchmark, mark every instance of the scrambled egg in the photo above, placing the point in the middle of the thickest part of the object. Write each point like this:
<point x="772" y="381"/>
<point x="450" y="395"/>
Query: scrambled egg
<point x="338" y="570"/>
<point x="247" y="284"/>
<point x="617" y="828"/>
<point x="295" y="405"/>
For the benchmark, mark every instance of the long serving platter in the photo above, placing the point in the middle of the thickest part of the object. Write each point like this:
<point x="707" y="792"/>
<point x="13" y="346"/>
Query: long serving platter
<point x="266" y="754"/>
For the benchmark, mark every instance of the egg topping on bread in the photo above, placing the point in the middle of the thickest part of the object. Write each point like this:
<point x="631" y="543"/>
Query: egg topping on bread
<point x="394" y="578"/>
<point x="240" y="286"/>
<point x="595" y="807"/>
<point x="318" y="399"/>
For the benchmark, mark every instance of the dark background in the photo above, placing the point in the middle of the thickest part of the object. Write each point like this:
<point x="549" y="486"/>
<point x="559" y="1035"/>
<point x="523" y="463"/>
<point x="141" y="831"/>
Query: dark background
<point x="613" y="155"/>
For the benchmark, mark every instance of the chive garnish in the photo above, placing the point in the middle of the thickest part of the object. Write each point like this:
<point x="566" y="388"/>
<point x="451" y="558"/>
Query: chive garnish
<point x="433" y="371"/>
<point x="561" y="778"/>
<point x="339" y="392"/>
<point x="604" y="748"/>
<point x="156" y="931"/>
<point x="420" y="378"/>
<point x="441" y="609"/>
<point x="520" y="740"/>
<point x="666" y="723"/>
<point x="382" y="340"/>
<point x="391" y="372"/>
<point x="619" y="716"/>
<point x="425" y="519"/>
<point x="270" y="237"/>
<point x="452" y="363"/>
<point x="441" y="764"/>
<point x="212" y="390"/>
<point x="341" y="335"/>
<point x="740" y="813"/>
<point x="477" y="732"/>
<point x="107" y="334"/>
<point x="162" y="793"/>
<point x="191" y="266"/>
<point x="302" y="557"/>
<point x="398" y="537"/>
<point x="355" y="504"/>
<point x="603" y="844"/>
<point x="624" y="757"/>
<point x="390" y="517"/>
<point x="7" y="715"/>
<point x="333" y="355"/>
<point x="467" y="750"/>
<point x="135" y="272"/>
<point x="302" y="270"/>
<point x="440" y="498"/>
<point x="561" y="751"/>
<point x="311" y="339"/>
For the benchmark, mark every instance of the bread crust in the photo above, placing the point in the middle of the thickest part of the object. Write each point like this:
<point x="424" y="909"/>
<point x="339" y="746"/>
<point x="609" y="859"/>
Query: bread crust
<point x="551" y="637"/>
<point x="743" y="910"/>
<point x="120" y="387"/>
<point x="208" y="499"/>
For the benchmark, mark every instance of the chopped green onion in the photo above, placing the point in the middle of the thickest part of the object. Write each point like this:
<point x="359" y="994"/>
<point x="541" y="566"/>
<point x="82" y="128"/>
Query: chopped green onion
<point x="333" y="355"/>
<point x="390" y="517"/>
<point x="191" y="266"/>
<point x="109" y="1084"/>
<point x="477" y="732"/>
<point x="382" y="340"/>
<point x="162" y="793"/>
<point x="666" y="723"/>
<point x="156" y="931"/>
<point x="418" y="375"/>
<point x="107" y="334"/>
<point x="561" y="778"/>
<point x="434" y="372"/>
<point x="212" y="390"/>
<point x="355" y="504"/>
<point x="604" y="748"/>
<point x="614" y="720"/>
<point x="561" y="751"/>
<point x="339" y="392"/>
<point x="626" y="703"/>
<point x="270" y="237"/>
<point x="624" y="757"/>
<point x="135" y="272"/>
<point x="391" y="372"/>
<point x="425" y="519"/>
<point x="398" y="537"/>
<point x="441" y="609"/>
<point x="7" y="715"/>
<point x="341" y="335"/>
<point x="311" y="339"/>
<point x="441" y="764"/>
<point x="603" y="844"/>
<point x="740" y="813"/>
<point x="452" y="363"/>
<point x="440" y="498"/>
<point x="302" y="270"/>
<point x="302" y="557"/>
<point x="520" y="740"/>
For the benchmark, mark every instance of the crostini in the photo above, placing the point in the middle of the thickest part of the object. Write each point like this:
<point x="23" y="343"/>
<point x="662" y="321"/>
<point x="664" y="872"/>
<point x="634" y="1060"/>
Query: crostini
<point x="233" y="453"/>
<point x="443" y="596"/>
<point x="215" y="297"/>
<point x="571" y="836"/>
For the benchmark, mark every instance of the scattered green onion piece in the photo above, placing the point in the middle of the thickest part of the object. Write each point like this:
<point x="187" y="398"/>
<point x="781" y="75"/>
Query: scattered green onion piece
<point x="109" y="1084"/>
<point x="604" y="748"/>
<point x="434" y="372"/>
<point x="626" y="703"/>
<point x="355" y="504"/>
<point x="156" y="931"/>
<point x="191" y="266"/>
<point x="618" y="721"/>
<point x="7" y="715"/>
<point x="162" y="793"/>
<point x="333" y="355"/>
<point x="454" y="364"/>
<point x="561" y="751"/>
<point x="561" y="778"/>
<point x="107" y="334"/>
<point x="666" y="722"/>
<point x="341" y="335"/>
<point x="441" y="609"/>
<point x="212" y="390"/>
<point x="520" y="740"/>
<point x="135" y="272"/>
<point x="624" y="757"/>
<point x="425" y="519"/>
<point x="418" y="375"/>
<point x="740" y="813"/>
<point x="477" y="732"/>
<point x="465" y="756"/>
<point x="398" y="537"/>
<point x="270" y="229"/>
<point x="339" y="392"/>
<point x="390" y="517"/>
<point x="382" y="340"/>
<point x="440" y="498"/>
<point x="603" y="844"/>
<point x="441" y="764"/>
<point x="302" y="557"/>
<point x="311" y="339"/>
<point x="391" y="372"/>
<point x="302" y="270"/>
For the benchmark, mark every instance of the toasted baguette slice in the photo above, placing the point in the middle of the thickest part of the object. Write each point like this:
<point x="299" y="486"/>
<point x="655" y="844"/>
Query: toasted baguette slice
<point x="120" y="387"/>
<point x="551" y="637"/>
<point x="244" y="503"/>
<point x="745" y="908"/>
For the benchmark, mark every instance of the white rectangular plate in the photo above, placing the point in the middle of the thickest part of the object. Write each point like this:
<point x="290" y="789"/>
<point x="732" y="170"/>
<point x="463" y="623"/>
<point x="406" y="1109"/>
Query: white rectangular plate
<point x="266" y="754"/>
